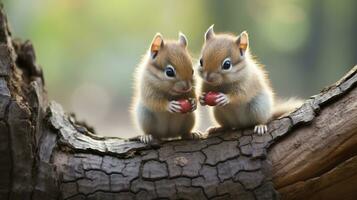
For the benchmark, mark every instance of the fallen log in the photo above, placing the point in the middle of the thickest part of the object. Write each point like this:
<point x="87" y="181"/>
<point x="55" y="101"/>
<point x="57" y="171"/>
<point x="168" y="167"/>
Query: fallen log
<point x="46" y="154"/>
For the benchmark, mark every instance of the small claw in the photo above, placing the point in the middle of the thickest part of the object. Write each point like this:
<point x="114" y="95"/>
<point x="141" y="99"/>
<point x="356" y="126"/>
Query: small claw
<point x="175" y="104"/>
<point x="146" y="139"/>
<point x="202" y="102"/>
<point x="222" y="103"/>
<point x="261" y="129"/>
<point x="222" y="99"/>
<point x="174" y="110"/>
<point x="193" y="104"/>
<point x="196" y="135"/>
<point x="174" y="107"/>
<point x="192" y="136"/>
<point x="202" y="99"/>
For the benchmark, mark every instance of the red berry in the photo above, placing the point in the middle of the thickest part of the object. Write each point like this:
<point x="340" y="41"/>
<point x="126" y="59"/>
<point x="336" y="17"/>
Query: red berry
<point x="185" y="105"/>
<point x="210" y="98"/>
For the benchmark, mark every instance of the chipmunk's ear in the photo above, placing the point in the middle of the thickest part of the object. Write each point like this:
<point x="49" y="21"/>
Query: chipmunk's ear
<point x="156" y="44"/>
<point x="182" y="39"/>
<point x="209" y="33"/>
<point x="243" y="42"/>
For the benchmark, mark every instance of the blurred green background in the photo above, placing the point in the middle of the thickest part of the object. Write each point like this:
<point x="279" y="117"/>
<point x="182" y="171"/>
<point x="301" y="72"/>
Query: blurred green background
<point x="89" y="48"/>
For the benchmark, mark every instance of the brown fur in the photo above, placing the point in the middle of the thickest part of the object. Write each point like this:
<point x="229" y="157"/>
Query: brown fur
<point x="283" y="107"/>
<point x="221" y="46"/>
<point x="246" y="84"/>
<point x="217" y="49"/>
<point x="173" y="53"/>
<point x="154" y="90"/>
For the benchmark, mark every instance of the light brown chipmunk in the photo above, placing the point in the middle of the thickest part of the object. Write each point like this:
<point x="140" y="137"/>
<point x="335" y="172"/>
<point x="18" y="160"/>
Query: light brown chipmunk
<point x="236" y="85"/>
<point x="164" y="98"/>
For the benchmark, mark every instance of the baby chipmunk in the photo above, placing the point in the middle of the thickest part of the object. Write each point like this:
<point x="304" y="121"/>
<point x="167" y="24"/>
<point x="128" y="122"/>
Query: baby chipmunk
<point x="164" y="98"/>
<point x="236" y="85"/>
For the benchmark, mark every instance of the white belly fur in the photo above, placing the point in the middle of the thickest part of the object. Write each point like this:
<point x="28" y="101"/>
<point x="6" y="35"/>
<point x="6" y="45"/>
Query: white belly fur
<point x="246" y="114"/>
<point x="164" y="124"/>
<point x="171" y="124"/>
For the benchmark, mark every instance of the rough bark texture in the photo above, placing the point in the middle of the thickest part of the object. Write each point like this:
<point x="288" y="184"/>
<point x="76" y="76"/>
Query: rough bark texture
<point x="46" y="154"/>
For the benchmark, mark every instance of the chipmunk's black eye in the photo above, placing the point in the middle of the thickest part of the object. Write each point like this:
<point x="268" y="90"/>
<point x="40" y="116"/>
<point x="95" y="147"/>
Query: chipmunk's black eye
<point x="170" y="71"/>
<point x="201" y="62"/>
<point x="227" y="64"/>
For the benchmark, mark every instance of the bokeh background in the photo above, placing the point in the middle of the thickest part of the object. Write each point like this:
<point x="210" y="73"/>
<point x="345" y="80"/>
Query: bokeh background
<point x="89" y="48"/>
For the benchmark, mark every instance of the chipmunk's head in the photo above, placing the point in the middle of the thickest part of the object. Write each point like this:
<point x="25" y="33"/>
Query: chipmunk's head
<point x="170" y="66"/>
<point x="223" y="57"/>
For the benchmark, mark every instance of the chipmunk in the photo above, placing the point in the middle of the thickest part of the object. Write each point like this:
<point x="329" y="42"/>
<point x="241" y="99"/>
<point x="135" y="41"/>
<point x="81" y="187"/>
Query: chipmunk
<point x="243" y="95"/>
<point x="164" y="98"/>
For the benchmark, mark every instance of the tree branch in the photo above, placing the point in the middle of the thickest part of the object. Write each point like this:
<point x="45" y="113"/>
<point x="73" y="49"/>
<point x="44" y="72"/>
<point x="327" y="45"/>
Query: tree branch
<point x="46" y="154"/>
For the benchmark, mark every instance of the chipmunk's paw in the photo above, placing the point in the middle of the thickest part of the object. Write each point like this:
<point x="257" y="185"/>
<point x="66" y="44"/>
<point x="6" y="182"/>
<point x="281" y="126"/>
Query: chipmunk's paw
<point x="196" y="135"/>
<point x="193" y="103"/>
<point x="146" y="139"/>
<point x="202" y="99"/>
<point x="213" y="130"/>
<point x="261" y="129"/>
<point x="174" y="107"/>
<point x="222" y="99"/>
<point x="192" y="136"/>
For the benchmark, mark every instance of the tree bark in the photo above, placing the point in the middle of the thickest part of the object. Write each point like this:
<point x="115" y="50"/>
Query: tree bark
<point x="307" y="154"/>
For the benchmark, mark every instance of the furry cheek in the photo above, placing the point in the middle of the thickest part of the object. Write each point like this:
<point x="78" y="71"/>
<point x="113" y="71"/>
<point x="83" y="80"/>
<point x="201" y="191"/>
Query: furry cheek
<point x="235" y="75"/>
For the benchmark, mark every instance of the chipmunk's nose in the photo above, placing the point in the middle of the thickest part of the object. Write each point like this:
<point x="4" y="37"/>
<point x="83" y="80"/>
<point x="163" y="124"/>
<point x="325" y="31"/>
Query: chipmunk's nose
<point x="209" y="77"/>
<point x="185" y="86"/>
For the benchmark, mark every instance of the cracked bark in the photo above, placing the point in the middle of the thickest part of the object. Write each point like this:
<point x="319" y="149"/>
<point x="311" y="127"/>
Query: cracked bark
<point x="46" y="154"/>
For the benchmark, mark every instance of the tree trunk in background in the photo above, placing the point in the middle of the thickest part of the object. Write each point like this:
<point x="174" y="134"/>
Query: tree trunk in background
<point x="46" y="154"/>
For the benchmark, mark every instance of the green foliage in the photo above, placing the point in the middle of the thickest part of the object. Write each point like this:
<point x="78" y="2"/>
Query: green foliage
<point x="305" y="45"/>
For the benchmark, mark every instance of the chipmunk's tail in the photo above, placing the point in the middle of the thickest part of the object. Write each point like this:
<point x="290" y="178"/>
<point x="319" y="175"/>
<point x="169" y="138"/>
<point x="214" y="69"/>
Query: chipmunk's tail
<point x="285" y="106"/>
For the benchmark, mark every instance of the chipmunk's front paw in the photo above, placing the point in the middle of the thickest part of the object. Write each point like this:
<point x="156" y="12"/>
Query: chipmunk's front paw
<point x="174" y="107"/>
<point x="146" y="139"/>
<point x="202" y="99"/>
<point x="193" y="104"/>
<point x="222" y="99"/>
<point x="261" y="129"/>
